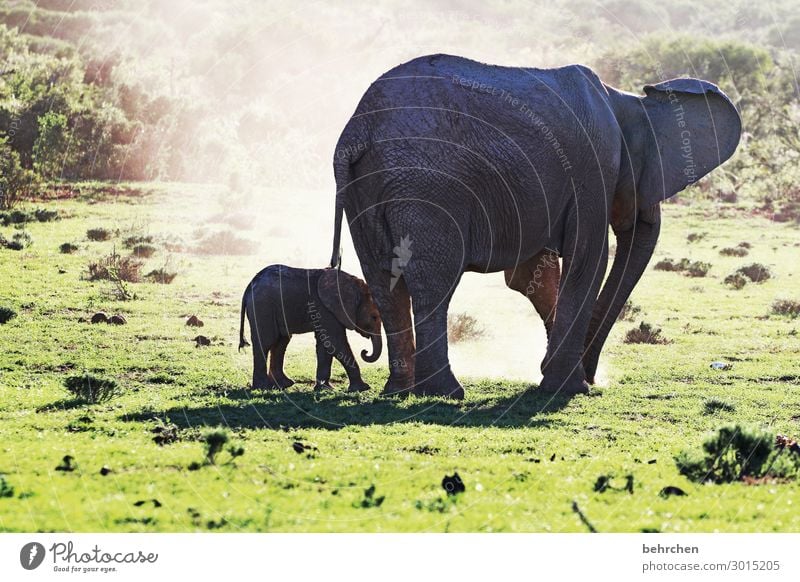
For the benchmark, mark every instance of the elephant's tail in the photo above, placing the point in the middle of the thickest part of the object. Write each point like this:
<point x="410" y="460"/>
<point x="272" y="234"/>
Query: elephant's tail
<point x="351" y="146"/>
<point x="242" y="341"/>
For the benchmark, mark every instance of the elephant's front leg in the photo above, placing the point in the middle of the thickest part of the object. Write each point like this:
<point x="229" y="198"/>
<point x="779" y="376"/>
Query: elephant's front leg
<point x="394" y="303"/>
<point x="348" y="361"/>
<point x="538" y="279"/>
<point x="584" y="266"/>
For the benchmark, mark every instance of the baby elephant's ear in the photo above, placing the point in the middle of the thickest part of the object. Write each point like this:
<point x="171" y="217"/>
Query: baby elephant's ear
<point x="339" y="293"/>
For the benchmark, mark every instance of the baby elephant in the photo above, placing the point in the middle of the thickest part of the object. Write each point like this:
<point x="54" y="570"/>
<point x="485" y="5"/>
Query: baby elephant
<point x="282" y="300"/>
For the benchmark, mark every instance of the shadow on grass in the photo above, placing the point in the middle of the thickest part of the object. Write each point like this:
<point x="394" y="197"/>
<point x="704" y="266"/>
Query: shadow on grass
<point x="66" y="404"/>
<point x="335" y="410"/>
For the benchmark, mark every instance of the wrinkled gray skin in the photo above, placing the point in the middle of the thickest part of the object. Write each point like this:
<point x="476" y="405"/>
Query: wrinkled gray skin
<point x="484" y="168"/>
<point x="281" y="301"/>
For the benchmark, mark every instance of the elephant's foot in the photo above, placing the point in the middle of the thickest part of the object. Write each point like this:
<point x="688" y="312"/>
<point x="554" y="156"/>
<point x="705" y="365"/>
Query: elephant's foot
<point x="442" y="384"/>
<point x="265" y="383"/>
<point x="398" y="386"/>
<point x="321" y="386"/>
<point x="358" y="386"/>
<point x="590" y="360"/>
<point x="565" y="384"/>
<point x="283" y="382"/>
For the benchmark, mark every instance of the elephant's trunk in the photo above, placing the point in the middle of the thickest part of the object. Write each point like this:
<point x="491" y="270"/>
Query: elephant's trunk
<point x="377" y="348"/>
<point x="634" y="249"/>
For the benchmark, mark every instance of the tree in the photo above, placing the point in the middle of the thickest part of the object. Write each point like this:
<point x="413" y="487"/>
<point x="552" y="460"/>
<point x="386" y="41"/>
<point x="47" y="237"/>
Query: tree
<point x="16" y="183"/>
<point x="51" y="146"/>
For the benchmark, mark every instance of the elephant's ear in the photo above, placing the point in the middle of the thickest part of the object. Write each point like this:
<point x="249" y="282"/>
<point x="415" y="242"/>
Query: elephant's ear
<point x="340" y="294"/>
<point x="693" y="127"/>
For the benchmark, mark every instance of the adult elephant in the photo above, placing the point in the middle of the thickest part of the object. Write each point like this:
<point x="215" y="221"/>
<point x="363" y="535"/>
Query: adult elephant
<point x="449" y="165"/>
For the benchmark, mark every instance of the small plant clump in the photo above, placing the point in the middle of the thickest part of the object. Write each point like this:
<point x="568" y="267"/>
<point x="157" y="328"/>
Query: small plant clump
<point x="736" y="280"/>
<point x="628" y="311"/>
<point x="756" y="272"/>
<point x="161" y="276"/>
<point x="463" y="327"/>
<point x="131" y="242"/>
<point x="215" y="440"/>
<point x="98" y="234"/>
<point x="685" y="266"/>
<point x="697" y="269"/>
<point x="67" y="248"/>
<point x="741" y="453"/>
<point x="115" y="267"/>
<point x="91" y="389"/>
<point x="645" y="334"/>
<point x="734" y="252"/>
<point x="7" y="314"/>
<point x="19" y="241"/>
<point x="693" y="237"/>
<point x="143" y="251"/>
<point x="786" y="307"/>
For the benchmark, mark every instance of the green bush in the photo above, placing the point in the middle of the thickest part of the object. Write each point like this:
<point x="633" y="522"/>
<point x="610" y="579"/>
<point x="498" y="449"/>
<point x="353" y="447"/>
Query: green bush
<point x="735" y="452"/>
<point x="91" y="389"/>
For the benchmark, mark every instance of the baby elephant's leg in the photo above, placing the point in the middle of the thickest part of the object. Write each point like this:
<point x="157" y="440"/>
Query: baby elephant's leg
<point x="325" y="353"/>
<point x="346" y="358"/>
<point x="277" y="352"/>
<point x="262" y="380"/>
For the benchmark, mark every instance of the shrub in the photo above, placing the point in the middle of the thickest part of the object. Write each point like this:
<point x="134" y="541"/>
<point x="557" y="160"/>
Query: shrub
<point x="225" y="242"/>
<point x="645" y="334"/>
<point x="115" y="267"/>
<point x="44" y="215"/>
<point x="735" y="452"/>
<point x="161" y="276"/>
<point x="7" y="314"/>
<point x="463" y="327"/>
<point x="68" y="248"/>
<point x="144" y="251"/>
<point x="91" y="389"/>
<point x="696" y="236"/>
<point x="736" y="280"/>
<point x="786" y="307"/>
<point x="734" y="252"/>
<point x="756" y="272"/>
<point x="98" y="234"/>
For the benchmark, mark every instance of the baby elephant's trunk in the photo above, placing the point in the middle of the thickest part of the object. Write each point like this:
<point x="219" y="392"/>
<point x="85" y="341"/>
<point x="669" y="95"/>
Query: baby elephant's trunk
<point x="377" y="347"/>
<point x="242" y="341"/>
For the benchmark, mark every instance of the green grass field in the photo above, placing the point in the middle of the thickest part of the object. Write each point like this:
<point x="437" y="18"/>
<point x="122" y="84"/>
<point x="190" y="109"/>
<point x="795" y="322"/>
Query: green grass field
<point x="524" y="458"/>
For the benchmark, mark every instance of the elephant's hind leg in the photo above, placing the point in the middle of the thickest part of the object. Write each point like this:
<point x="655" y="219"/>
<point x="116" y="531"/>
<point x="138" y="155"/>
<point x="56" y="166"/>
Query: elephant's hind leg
<point x="277" y="353"/>
<point x="394" y="303"/>
<point x="262" y="379"/>
<point x="537" y="279"/>
<point x="432" y="283"/>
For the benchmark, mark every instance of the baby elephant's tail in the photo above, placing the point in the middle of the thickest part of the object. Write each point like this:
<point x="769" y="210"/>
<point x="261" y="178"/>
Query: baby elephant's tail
<point x="242" y="341"/>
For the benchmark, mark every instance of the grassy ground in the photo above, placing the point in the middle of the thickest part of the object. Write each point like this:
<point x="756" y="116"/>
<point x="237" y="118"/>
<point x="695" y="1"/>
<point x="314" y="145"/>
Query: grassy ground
<point x="523" y="457"/>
